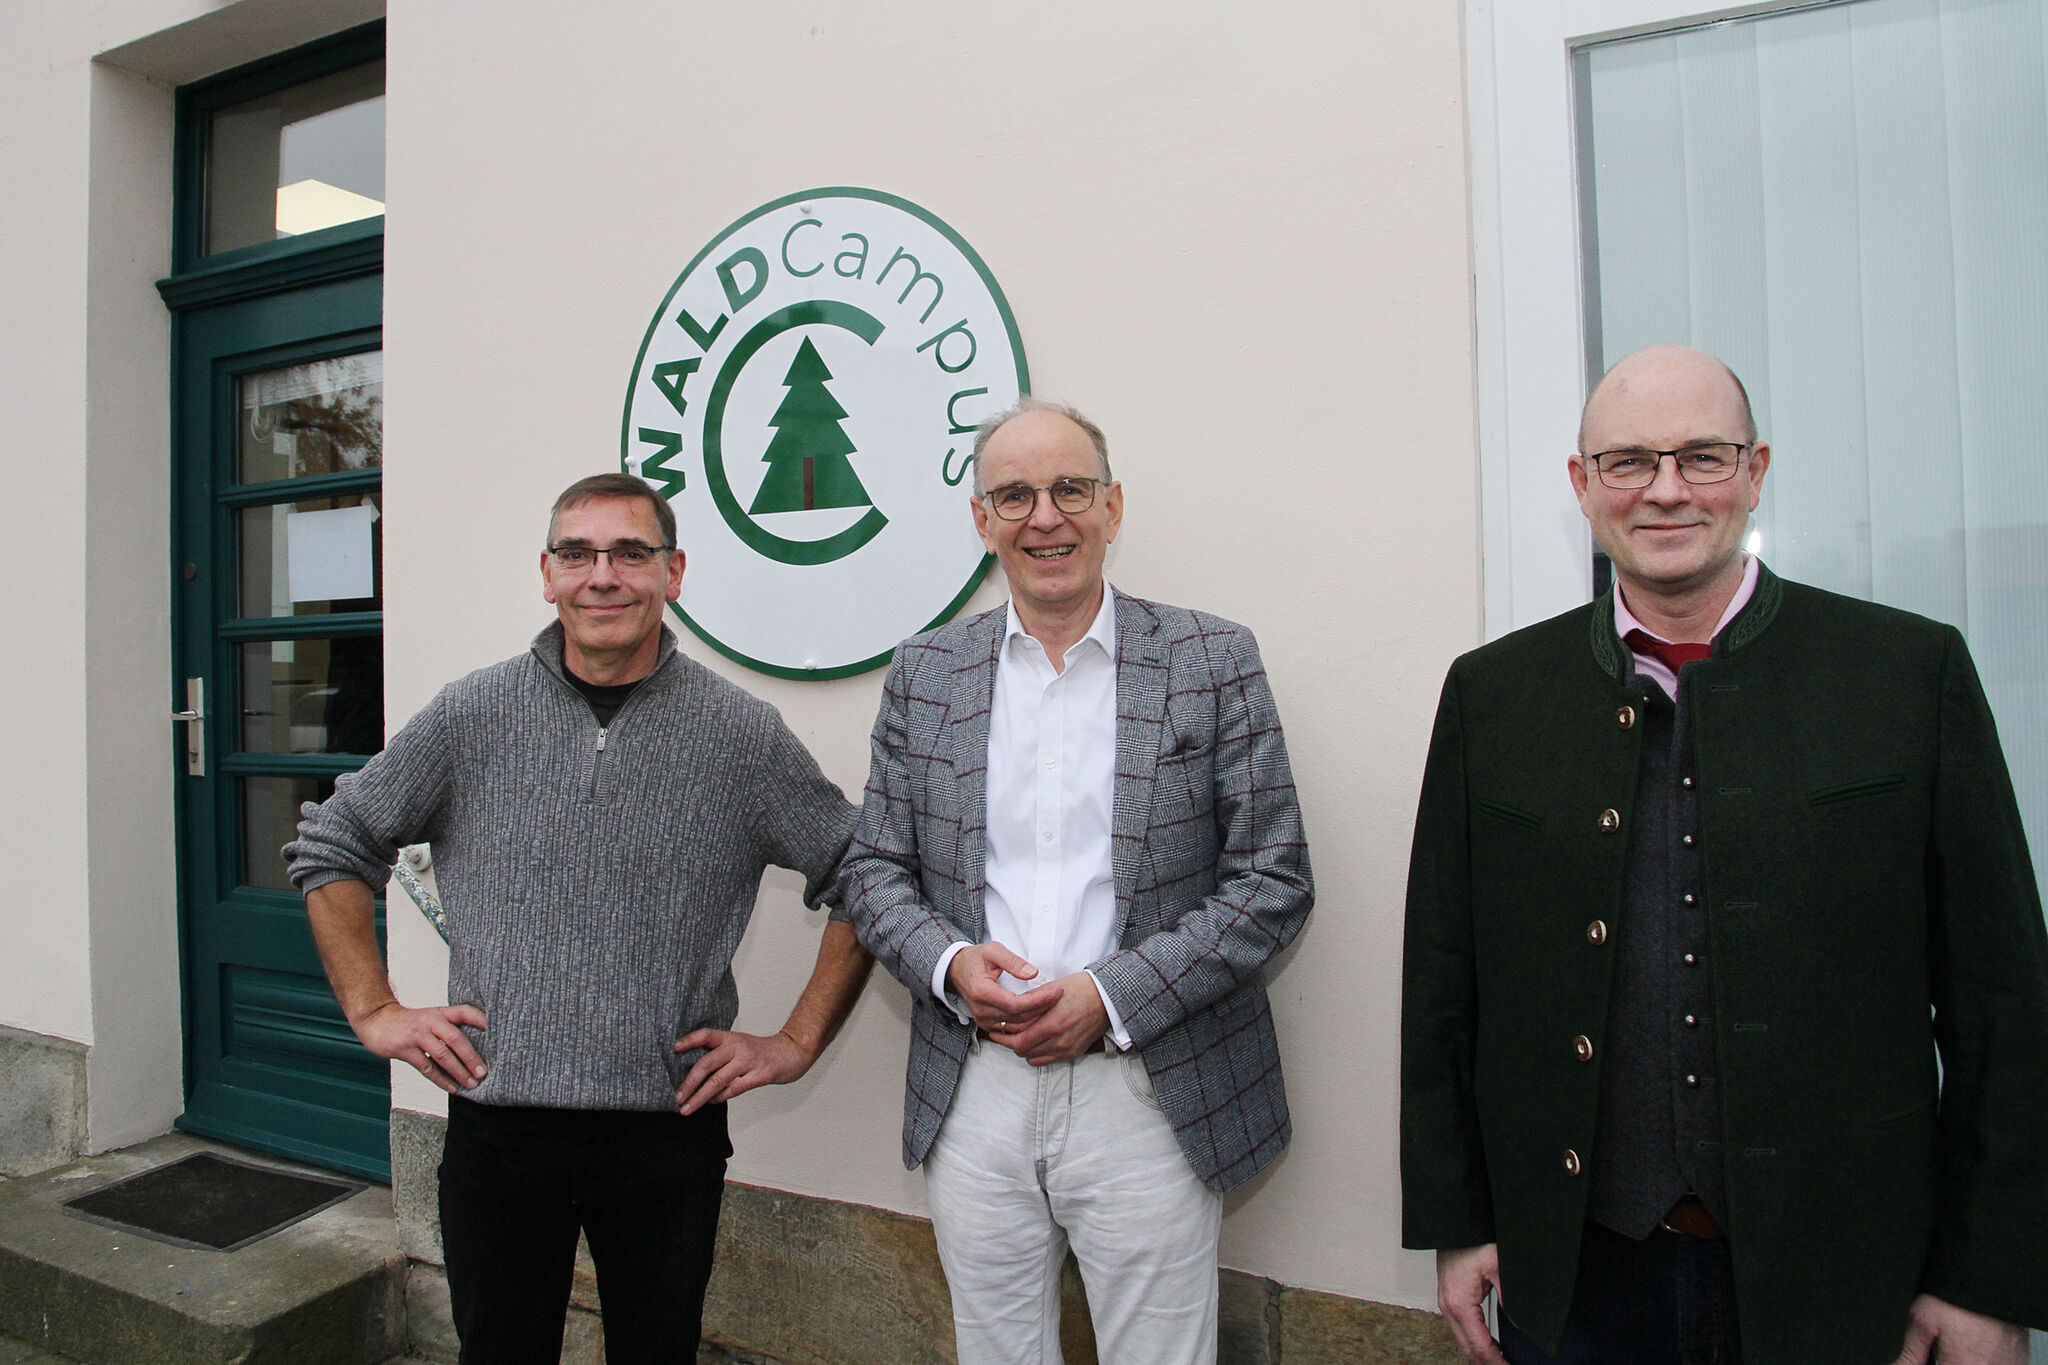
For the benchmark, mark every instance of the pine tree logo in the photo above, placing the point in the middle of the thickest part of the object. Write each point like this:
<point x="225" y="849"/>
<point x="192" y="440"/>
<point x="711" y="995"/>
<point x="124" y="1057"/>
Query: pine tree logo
<point x="805" y="399"/>
<point x="807" y="464"/>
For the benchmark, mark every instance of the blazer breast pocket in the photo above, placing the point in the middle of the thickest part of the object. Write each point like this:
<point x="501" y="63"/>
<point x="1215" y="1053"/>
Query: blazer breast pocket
<point x="1501" y="810"/>
<point x="1856" y="791"/>
<point x="1188" y="747"/>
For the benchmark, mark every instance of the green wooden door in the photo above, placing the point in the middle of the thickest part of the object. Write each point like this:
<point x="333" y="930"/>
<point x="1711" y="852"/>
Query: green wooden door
<point x="277" y="461"/>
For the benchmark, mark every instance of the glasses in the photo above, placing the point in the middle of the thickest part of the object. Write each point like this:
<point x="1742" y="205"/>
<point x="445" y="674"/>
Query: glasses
<point x="1016" y="501"/>
<point x="627" y="557"/>
<point x="1713" y="462"/>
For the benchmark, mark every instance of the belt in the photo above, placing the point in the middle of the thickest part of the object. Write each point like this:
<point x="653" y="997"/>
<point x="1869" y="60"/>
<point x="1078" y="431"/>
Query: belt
<point x="1099" y="1045"/>
<point x="1689" y="1217"/>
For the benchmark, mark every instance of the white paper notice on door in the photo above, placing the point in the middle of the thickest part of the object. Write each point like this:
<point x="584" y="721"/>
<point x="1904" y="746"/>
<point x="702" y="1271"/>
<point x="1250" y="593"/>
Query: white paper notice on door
<point x="330" y="553"/>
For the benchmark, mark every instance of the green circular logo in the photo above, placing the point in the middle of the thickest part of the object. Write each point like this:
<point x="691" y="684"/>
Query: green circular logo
<point x="805" y="398"/>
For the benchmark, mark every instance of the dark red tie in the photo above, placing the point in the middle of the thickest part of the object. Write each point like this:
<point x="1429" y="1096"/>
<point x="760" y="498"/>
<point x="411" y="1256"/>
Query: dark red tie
<point x="1675" y="657"/>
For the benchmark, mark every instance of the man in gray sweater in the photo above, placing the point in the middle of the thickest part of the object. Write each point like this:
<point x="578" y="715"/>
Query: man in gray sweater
<point x="601" y="810"/>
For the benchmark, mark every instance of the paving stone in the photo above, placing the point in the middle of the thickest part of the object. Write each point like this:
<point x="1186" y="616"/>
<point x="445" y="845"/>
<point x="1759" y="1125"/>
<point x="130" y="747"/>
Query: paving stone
<point x="42" y="1101"/>
<point x="1248" y="1320"/>
<point x="1330" y="1329"/>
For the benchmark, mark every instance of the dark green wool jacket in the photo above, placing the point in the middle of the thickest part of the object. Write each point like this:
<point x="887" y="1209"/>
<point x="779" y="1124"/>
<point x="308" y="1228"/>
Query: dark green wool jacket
<point x="1870" y="906"/>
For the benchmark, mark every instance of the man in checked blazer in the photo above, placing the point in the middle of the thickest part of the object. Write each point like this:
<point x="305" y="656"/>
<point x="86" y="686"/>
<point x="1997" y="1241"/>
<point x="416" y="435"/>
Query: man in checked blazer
<point x="1080" y="847"/>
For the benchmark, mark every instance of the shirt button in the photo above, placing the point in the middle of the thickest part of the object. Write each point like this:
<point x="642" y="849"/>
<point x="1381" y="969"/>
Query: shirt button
<point x="1610" y="821"/>
<point x="1626" y="717"/>
<point x="1052" y="763"/>
<point x="1596" y="932"/>
<point x="1688" y="841"/>
<point x="1572" y="1164"/>
<point x="1048" y="836"/>
<point x="1582" y="1048"/>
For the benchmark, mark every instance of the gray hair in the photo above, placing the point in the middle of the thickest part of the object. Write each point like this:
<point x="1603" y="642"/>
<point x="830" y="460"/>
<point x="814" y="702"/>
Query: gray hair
<point x="991" y="425"/>
<point x="615" y="485"/>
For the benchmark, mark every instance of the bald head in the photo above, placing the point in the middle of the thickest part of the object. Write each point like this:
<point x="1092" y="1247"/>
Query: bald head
<point x="1675" y="542"/>
<point x="1661" y="377"/>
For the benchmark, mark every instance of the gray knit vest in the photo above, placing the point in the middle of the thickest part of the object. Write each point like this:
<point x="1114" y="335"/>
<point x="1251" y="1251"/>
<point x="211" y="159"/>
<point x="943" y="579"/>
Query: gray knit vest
<point x="1659" y="1129"/>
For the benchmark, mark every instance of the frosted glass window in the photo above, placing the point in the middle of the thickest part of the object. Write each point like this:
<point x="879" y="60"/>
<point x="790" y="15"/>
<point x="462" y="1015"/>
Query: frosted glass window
<point x="1849" y="205"/>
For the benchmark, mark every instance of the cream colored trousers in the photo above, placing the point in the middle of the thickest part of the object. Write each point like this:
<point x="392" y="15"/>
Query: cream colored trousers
<point x="1031" y="1160"/>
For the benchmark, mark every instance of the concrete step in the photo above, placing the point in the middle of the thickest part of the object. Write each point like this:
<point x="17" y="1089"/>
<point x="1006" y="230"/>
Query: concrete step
<point x="325" y="1291"/>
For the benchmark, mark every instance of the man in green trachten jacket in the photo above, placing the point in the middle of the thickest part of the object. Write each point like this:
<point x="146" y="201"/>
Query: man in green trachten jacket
<point x="1725" y="1031"/>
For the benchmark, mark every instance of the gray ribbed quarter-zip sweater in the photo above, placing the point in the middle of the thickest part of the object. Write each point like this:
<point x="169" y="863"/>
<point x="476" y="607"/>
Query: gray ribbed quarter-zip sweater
<point x="597" y="881"/>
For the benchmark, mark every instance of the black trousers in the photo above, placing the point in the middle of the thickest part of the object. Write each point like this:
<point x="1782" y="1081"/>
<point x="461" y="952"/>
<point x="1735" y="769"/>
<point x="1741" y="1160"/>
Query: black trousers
<point x="517" y="1184"/>
<point x="1669" y="1300"/>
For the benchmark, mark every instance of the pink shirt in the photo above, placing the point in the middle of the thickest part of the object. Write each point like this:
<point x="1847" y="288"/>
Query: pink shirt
<point x="1655" y="669"/>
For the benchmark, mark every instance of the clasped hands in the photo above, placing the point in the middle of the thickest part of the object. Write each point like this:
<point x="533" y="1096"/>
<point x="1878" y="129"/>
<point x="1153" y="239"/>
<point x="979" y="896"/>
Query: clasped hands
<point x="1055" y="1022"/>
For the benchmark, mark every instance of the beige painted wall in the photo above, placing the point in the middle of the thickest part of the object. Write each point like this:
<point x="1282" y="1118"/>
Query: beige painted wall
<point x="1236" y="236"/>
<point x="44" y="974"/>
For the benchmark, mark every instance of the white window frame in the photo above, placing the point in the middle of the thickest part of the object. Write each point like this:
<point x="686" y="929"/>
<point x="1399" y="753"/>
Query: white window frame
<point x="1528" y="289"/>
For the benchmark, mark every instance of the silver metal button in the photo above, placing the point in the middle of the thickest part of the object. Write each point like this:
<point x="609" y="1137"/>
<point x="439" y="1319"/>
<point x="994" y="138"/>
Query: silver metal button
<point x="1692" y="1021"/>
<point x="1626" y="717"/>
<point x="1688" y="841"/>
<point x="1582" y="1048"/>
<point x="1610" y="820"/>
<point x="1572" y="1164"/>
<point x="1596" y="932"/>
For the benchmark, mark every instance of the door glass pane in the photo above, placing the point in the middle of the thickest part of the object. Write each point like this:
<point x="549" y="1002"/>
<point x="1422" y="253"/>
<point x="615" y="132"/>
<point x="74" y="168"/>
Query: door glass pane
<point x="270" y="820"/>
<point x="313" y="557"/>
<point x="322" y="417"/>
<point x="297" y="160"/>
<point x="313" y="696"/>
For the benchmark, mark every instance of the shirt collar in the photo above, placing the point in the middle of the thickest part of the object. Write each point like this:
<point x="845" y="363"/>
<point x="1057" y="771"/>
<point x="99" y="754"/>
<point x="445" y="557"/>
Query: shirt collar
<point x="1625" y="620"/>
<point x="1102" y="630"/>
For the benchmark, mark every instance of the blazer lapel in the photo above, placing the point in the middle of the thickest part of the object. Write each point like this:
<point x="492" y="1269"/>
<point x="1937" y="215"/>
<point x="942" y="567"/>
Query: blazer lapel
<point x="974" y="686"/>
<point x="1141" y="672"/>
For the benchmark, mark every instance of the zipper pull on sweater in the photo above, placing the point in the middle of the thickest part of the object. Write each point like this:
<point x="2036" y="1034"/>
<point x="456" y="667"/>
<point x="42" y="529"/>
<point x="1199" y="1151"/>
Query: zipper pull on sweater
<point x="597" y="760"/>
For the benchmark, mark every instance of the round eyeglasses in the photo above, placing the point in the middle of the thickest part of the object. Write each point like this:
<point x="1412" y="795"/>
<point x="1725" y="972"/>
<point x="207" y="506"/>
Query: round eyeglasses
<point x="1016" y="501"/>
<point x="1710" y="462"/>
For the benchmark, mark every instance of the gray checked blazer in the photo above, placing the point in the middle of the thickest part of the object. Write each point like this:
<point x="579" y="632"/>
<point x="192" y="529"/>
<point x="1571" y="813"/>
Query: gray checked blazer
<point x="1212" y="873"/>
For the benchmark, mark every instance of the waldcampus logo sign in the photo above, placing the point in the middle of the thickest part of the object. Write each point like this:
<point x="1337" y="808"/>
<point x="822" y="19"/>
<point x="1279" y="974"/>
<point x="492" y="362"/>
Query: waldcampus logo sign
<point x="806" y="398"/>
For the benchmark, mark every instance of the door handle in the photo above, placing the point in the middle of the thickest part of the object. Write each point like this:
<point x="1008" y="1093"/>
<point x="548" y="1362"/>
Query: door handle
<point x="194" y="716"/>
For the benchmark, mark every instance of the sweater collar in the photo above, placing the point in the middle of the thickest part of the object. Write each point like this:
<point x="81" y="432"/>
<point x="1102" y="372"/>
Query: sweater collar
<point x="547" y="647"/>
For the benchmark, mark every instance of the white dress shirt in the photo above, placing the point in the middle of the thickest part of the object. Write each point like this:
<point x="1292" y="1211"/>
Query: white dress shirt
<point x="1051" y="787"/>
